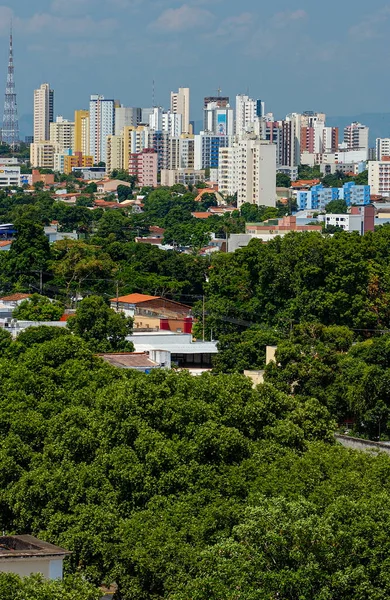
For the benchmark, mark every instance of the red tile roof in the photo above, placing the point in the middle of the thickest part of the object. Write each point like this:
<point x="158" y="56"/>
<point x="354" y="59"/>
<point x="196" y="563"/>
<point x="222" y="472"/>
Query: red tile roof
<point x="135" y="298"/>
<point x="15" y="297"/>
<point x="5" y="243"/>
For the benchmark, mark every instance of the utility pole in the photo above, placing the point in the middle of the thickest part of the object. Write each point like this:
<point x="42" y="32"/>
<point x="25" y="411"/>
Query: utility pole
<point x="41" y="281"/>
<point x="204" y="319"/>
<point x="117" y="296"/>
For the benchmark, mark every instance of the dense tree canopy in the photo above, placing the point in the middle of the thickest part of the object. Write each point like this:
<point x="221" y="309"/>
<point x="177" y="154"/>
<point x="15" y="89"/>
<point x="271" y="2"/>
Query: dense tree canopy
<point x="38" y="308"/>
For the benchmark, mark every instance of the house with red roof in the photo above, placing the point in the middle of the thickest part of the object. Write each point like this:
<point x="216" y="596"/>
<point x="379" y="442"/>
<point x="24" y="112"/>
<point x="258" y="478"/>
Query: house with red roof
<point x="153" y="306"/>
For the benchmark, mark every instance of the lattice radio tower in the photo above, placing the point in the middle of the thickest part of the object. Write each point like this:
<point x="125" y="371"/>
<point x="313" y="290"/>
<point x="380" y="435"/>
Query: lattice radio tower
<point x="10" y="132"/>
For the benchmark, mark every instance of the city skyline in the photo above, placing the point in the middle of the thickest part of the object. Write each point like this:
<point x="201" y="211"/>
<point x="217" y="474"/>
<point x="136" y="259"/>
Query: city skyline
<point x="74" y="44"/>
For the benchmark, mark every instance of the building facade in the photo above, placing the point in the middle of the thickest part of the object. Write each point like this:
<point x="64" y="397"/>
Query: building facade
<point x="43" y="112"/>
<point x="143" y="166"/>
<point x="102" y="123"/>
<point x="180" y="104"/>
<point x="62" y="133"/>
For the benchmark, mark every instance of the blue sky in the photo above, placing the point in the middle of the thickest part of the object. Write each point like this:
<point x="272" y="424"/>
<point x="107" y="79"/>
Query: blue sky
<point x="296" y="55"/>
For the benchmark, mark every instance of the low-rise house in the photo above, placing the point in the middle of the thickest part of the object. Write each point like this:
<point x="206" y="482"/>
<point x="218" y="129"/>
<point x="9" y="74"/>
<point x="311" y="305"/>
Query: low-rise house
<point x="142" y="304"/>
<point x="25" y="555"/>
<point x="111" y="185"/>
<point x="139" y="361"/>
<point x="13" y="300"/>
<point x="184" y="352"/>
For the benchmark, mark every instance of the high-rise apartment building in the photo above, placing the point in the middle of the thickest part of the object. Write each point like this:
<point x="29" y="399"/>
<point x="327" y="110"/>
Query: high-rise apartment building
<point x="356" y="137"/>
<point x="248" y="111"/>
<point x="382" y="148"/>
<point x="81" y="131"/>
<point x="43" y="112"/>
<point x="206" y="150"/>
<point x="248" y="168"/>
<point x="126" y="116"/>
<point x="115" y="152"/>
<point x="379" y="177"/>
<point x="220" y="101"/>
<point x="42" y="154"/>
<point x="218" y="120"/>
<point x="143" y="166"/>
<point x="62" y="133"/>
<point x="101" y="125"/>
<point x="180" y="104"/>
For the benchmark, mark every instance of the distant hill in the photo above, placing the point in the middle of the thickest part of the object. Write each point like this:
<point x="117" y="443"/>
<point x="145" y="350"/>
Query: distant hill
<point x="379" y="124"/>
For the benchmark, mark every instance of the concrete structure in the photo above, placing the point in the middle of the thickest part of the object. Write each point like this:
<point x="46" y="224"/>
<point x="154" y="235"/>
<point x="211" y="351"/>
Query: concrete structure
<point x="46" y="178"/>
<point x="183" y="351"/>
<point x="126" y="116"/>
<point x="101" y="124"/>
<point x="184" y="176"/>
<point x="25" y="555"/>
<point x="218" y="120"/>
<point x="139" y="361"/>
<point x="247" y="110"/>
<point x="111" y="185"/>
<point x="206" y="150"/>
<point x="42" y="154"/>
<point x="180" y="104"/>
<point x="91" y="173"/>
<point x="76" y="161"/>
<point x="62" y="133"/>
<point x="379" y="177"/>
<point x="318" y="196"/>
<point x="382" y="148"/>
<point x="360" y="219"/>
<point x="9" y="177"/>
<point x="249" y="169"/>
<point x="356" y="137"/>
<point x="142" y="304"/>
<point x="115" y="152"/>
<point x="143" y="166"/>
<point x="135" y="139"/>
<point x="266" y="232"/>
<point x="43" y="112"/>
<point x="81" y="131"/>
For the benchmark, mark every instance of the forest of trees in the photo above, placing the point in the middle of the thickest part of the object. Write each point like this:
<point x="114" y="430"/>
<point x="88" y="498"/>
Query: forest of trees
<point x="179" y="487"/>
<point x="207" y="488"/>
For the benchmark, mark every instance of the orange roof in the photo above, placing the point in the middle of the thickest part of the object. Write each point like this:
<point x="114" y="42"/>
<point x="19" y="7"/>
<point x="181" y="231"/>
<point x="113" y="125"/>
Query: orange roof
<point x="305" y="182"/>
<point x="15" y="297"/>
<point x="135" y="298"/>
<point x="201" y="215"/>
<point x="5" y="243"/>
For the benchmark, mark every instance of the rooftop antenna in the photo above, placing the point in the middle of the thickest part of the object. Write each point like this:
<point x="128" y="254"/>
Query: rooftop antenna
<point x="153" y="94"/>
<point x="219" y="91"/>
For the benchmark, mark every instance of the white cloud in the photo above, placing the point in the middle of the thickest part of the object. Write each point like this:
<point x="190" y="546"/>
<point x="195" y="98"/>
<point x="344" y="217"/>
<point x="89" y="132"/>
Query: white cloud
<point x="6" y="15"/>
<point x="183" y="18"/>
<point x="69" y="7"/>
<point x="67" y="27"/>
<point x="370" y="27"/>
<point x="235" y="27"/>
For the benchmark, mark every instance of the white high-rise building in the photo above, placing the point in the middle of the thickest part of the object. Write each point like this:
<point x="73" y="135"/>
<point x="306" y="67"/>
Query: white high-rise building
<point x="43" y="112"/>
<point x="62" y="133"/>
<point x="246" y="113"/>
<point x="180" y="104"/>
<point x="101" y="122"/>
<point x="248" y="168"/>
<point x="218" y="120"/>
<point x="172" y="123"/>
<point x="379" y="177"/>
<point x="356" y="137"/>
<point x="382" y="148"/>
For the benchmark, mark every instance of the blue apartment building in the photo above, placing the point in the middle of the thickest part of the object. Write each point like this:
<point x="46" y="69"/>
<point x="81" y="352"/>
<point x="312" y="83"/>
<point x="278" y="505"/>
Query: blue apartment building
<point x="318" y="197"/>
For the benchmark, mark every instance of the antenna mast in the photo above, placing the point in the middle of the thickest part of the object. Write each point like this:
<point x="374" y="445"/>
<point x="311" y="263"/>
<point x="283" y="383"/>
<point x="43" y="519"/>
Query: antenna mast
<point x="10" y="132"/>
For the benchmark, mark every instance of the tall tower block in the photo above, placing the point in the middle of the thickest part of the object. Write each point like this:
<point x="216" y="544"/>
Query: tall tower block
<point x="10" y="132"/>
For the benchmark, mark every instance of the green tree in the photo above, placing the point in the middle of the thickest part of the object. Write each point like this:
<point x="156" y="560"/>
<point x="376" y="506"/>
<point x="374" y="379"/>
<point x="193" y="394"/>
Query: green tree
<point x="283" y="180"/>
<point x="35" y="587"/>
<point x="100" y="326"/>
<point x="38" y="308"/>
<point x="337" y="207"/>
